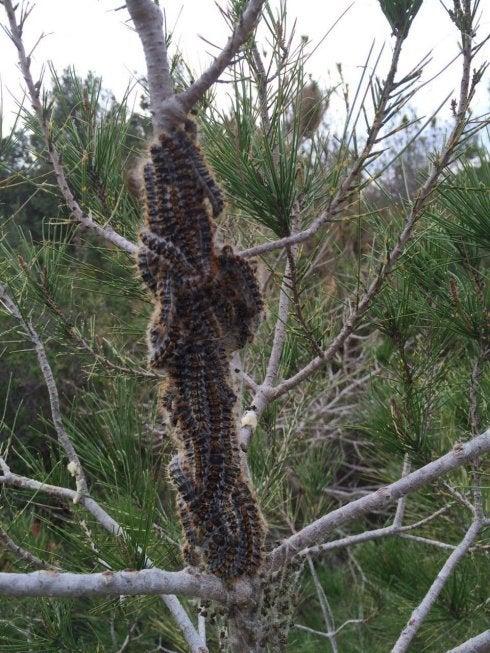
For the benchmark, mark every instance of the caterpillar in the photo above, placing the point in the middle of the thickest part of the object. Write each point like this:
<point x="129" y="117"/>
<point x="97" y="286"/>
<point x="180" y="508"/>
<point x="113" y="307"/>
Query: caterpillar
<point x="207" y="305"/>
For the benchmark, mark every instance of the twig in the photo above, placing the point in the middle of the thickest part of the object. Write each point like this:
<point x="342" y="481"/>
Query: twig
<point x="23" y="554"/>
<point x="261" y="80"/>
<point x="379" y="533"/>
<point x="127" y="639"/>
<point x="77" y="214"/>
<point x="325" y="607"/>
<point x="247" y="23"/>
<point x="420" y="613"/>
<point x="320" y="529"/>
<point x="426" y="540"/>
<point x="330" y="634"/>
<point x="459" y="496"/>
<point x="82" y="343"/>
<point x="181" y="618"/>
<point x="74" y="466"/>
<point x="261" y="397"/>
<point x="476" y="373"/>
<point x="298" y="310"/>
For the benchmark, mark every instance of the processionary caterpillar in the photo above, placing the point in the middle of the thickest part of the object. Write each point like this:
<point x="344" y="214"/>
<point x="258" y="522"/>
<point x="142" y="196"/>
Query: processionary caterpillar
<point x="207" y="305"/>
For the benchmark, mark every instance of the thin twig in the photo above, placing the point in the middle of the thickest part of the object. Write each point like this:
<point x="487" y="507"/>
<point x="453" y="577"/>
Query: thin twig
<point x="333" y="633"/>
<point x="261" y="395"/>
<point x="77" y="214"/>
<point x="400" y="508"/>
<point x="75" y="466"/>
<point x="324" y="606"/>
<point x="474" y="418"/>
<point x="262" y="83"/>
<point x="420" y="613"/>
<point x="22" y="554"/>
<point x="378" y="533"/>
<point x="82" y="343"/>
<point x="127" y="639"/>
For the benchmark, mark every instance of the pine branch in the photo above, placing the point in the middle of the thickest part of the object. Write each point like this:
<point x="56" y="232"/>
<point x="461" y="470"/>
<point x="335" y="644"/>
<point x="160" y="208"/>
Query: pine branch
<point x="347" y="186"/>
<point x="379" y="533"/>
<point x="84" y="220"/>
<point x="478" y="644"/>
<point x="147" y="582"/>
<point x="420" y="613"/>
<point x="363" y="305"/>
<point x="324" y="606"/>
<point x="321" y="528"/>
<point x="329" y="635"/>
<point x="22" y="554"/>
<point x="169" y="109"/>
<point x="74" y="466"/>
<point x="318" y="530"/>
<point x="106" y="521"/>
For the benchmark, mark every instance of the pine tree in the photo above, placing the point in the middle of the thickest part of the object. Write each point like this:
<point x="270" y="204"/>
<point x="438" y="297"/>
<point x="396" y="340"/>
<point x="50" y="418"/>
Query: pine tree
<point x="362" y="412"/>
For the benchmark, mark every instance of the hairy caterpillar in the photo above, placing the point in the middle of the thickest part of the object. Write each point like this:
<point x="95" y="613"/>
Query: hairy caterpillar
<point x="207" y="305"/>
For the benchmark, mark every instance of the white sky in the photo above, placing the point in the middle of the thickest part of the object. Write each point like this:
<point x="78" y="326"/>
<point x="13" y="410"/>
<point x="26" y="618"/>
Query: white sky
<point x="92" y="36"/>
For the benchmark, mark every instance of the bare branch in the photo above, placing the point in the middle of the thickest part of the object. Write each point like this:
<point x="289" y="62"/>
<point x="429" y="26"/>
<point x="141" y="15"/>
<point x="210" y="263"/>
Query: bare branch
<point x="325" y="607"/>
<point x="426" y="540"/>
<point x="320" y="529"/>
<point x="181" y="618"/>
<point x="329" y="634"/>
<point x="247" y="23"/>
<point x="400" y="508"/>
<point x="74" y="466"/>
<point x="478" y="644"/>
<point x="378" y="533"/>
<point x="77" y="214"/>
<point x="146" y="582"/>
<point x="23" y="554"/>
<point x="262" y="392"/>
<point x="168" y="109"/>
<point x="148" y="21"/>
<point x="420" y="613"/>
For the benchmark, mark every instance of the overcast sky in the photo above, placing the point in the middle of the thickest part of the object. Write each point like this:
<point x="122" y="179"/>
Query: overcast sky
<point x="92" y="36"/>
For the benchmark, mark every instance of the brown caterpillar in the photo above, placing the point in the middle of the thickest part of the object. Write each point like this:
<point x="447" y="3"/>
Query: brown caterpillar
<point x="207" y="305"/>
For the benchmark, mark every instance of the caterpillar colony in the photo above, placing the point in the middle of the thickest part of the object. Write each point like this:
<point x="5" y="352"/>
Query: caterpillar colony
<point x="207" y="305"/>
